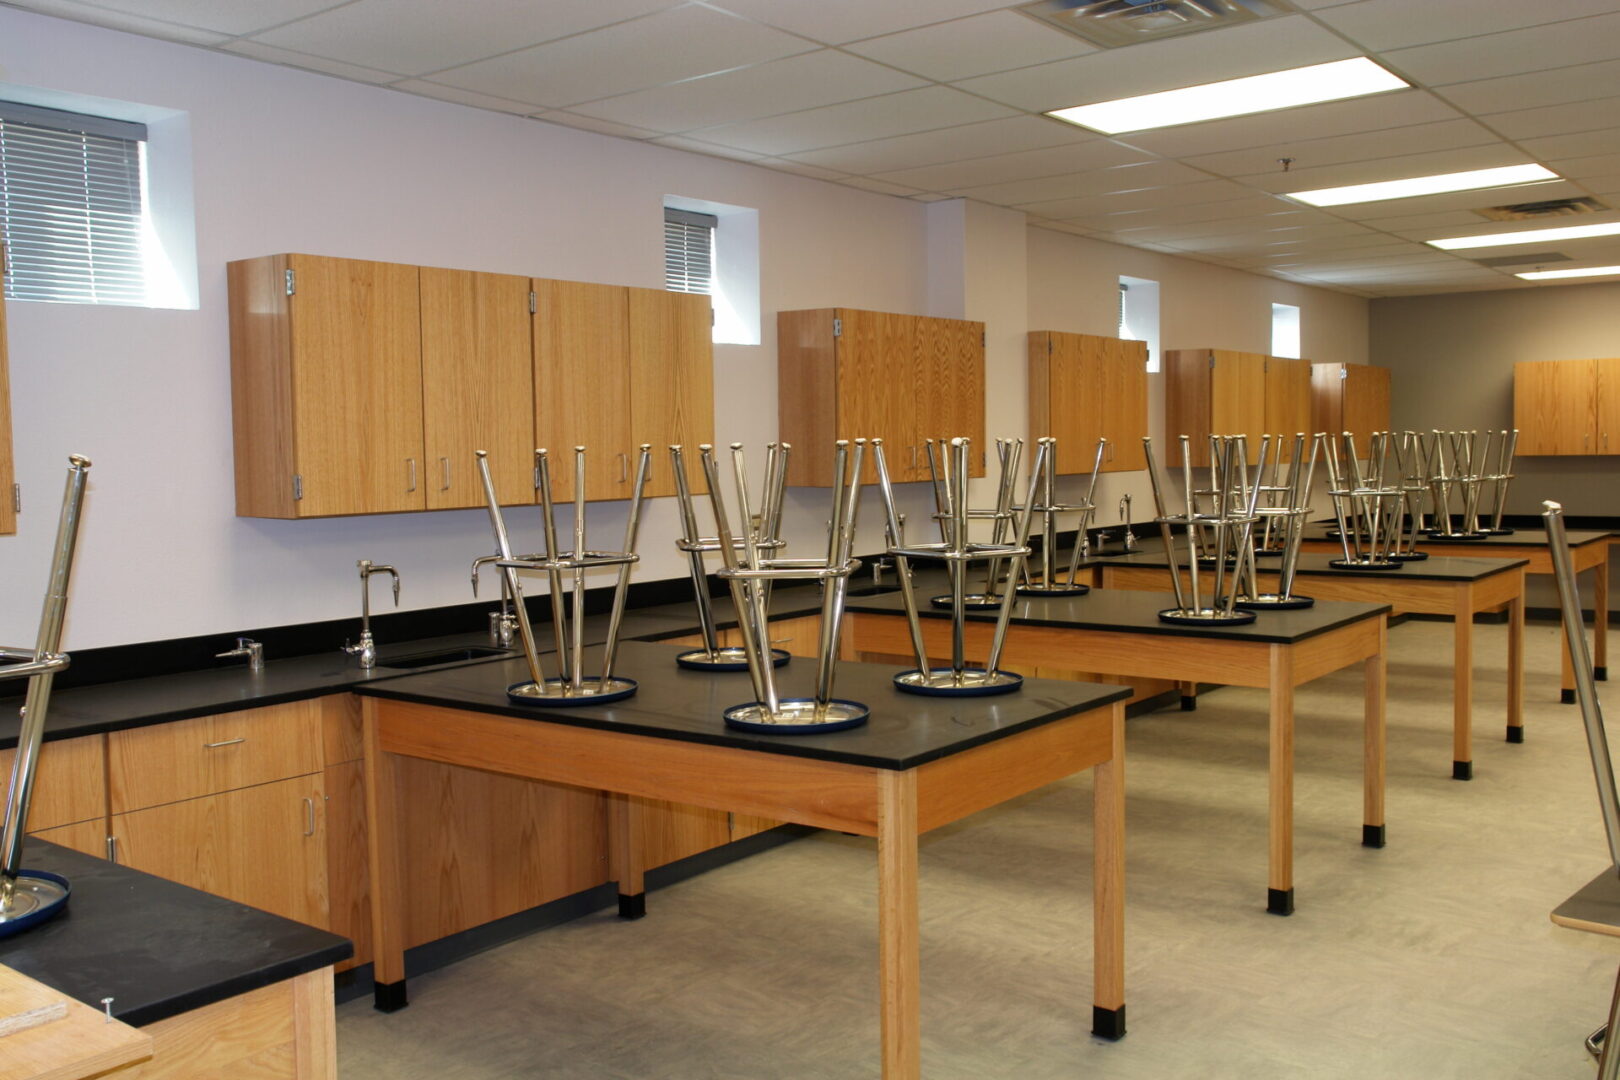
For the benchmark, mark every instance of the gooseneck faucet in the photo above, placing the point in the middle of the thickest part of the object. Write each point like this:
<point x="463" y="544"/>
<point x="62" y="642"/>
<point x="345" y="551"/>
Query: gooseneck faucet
<point x="1125" y="516"/>
<point x="366" y="648"/>
<point x="253" y="650"/>
<point x="502" y="623"/>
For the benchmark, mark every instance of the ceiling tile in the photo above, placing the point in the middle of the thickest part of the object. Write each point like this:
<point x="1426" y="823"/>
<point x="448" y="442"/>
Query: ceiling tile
<point x="932" y="147"/>
<point x="1459" y="200"/>
<point x="799" y="168"/>
<point x="467" y="97"/>
<point x="1381" y="25"/>
<point x="1310" y="153"/>
<point x="871" y="118"/>
<point x="591" y="123"/>
<point x="839" y="21"/>
<point x="1374" y="113"/>
<point x="1029" y="164"/>
<point x="413" y="36"/>
<point x="808" y="81"/>
<point x="1228" y="210"/>
<point x="680" y="142"/>
<point x="1579" y="168"/>
<point x="866" y="183"/>
<point x="680" y="43"/>
<point x="1577" y="83"/>
<point x="309" y="63"/>
<point x="1481" y="226"/>
<point x="1391" y="168"/>
<point x="1556" y="119"/>
<point x="118" y="20"/>
<point x="1577" y="144"/>
<point x="1248" y="49"/>
<point x="227" y="18"/>
<point x="1080" y="184"/>
<point x="1260" y="241"/>
<point x="1555" y="45"/>
<point x="996" y="41"/>
<point x="1179" y="196"/>
<point x="1259" y="225"/>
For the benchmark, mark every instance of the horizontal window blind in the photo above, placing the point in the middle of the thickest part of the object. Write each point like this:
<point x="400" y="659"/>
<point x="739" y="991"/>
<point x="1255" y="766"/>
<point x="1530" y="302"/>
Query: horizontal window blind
<point x="71" y="206"/>
<point x="688" y="251"/>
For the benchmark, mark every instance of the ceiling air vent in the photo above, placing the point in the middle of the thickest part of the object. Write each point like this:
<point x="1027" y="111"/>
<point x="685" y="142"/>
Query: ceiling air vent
<point x="1530" y="258"/>
<point x="1112" y="23"/>
<point x="1535" y="211"/>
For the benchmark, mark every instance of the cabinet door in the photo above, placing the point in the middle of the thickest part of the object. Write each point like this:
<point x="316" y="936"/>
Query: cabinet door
<point x="949" y="390"/>
<point x="264" y="846"/>
<point x="878" y="386"/>
<point x="1366" y="401"/>
<point x="1073" y="392"/>
<point x="1123" y="405"/>
<point x="8" y="508"/>
<point x="1237" y="399"/>
<point x="1327" y="399"/>
<point x="70" y="784"/>
<point x="1288" y="401"/>
<point x="356" y="386"/>
<point x="671" y="382"/>
<point x="582" y="384"/>
<point x="1553" y="406"/>
<point x="477" y="386"/>
<point x="1606" y="437"/>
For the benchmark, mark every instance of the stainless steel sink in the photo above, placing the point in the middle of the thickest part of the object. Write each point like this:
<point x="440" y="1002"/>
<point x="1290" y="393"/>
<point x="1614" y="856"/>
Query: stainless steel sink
<point x="443" y="656"/>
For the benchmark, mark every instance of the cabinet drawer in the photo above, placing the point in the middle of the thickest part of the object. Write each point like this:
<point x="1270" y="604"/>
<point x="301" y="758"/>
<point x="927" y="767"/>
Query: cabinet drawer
<point x="186" y="759"/>
<point x="69" y="786"/>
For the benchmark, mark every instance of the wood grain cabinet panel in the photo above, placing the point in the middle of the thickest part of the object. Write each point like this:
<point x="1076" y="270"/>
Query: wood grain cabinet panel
<point x="1606" y="436"/>
<point x="69" y="785"/>
<point x="89" y="837"/>
<point x="1288" y="400"/>
<point x="1567" y="407"/>
<point x="671" y="381"/>
<point x="477" y="386"/>
<point x="1083" y="387"/>
<point x="582" y="384"/>
<point x="185" y="759"/>
<point x="348" y="876"/>
<point x="1350" y="397"/>
<point x="1224" y="392"/>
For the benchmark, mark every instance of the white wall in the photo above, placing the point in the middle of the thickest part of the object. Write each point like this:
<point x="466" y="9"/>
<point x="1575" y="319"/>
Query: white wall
<point x="290" y="161"/>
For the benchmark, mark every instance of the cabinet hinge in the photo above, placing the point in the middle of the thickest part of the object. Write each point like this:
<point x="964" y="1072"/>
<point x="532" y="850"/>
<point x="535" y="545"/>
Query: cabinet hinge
<point x="16" y="498"/>
<point x="1048" y="346"/>
<point x="984" y="338"/>
<point x="298" y="487"/>
<point x="292" y="282"/>
<point x="1344" y="372"/>
<point x="534" y="303"/>
<point x="838" y="328"/>
<point x="1212" y="363"/>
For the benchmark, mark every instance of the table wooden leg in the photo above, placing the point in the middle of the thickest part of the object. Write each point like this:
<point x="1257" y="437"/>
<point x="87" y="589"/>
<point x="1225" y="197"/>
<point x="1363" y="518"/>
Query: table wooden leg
<point x="1600" y="619"/>
<point x="387" y="864"/>
<point x="1515" y="672"/>
<point x="1280" y="886"/>
<point x="1375" y="675"/>
<point x="1108" y="887"/>
<point x="626" y="857"/>
<point x="898" y="966"/>
<point x="1462" y="686"/>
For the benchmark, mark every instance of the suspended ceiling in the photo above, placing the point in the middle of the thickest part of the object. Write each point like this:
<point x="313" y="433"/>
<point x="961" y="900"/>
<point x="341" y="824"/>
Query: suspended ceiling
<point x="937" y="99"/>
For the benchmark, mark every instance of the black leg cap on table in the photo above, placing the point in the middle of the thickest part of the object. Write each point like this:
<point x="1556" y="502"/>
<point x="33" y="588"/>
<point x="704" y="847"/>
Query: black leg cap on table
<point x="390" y="997"/>
<point x="1462" y="770"/>
<point x="1566" y="697"/>
<point x="1279" y="901"/>
<point x="1516" y="734"/>
<point x="1188" y="703"/>
<point x="1601" y="674"/>
<point x="1108" y="1023"/>
<point x="633" y="907"/>
<point x="1372" y="835"/>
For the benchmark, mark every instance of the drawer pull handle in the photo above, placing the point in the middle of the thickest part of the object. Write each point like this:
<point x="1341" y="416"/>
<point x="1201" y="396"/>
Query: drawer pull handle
<point x="309" y="816"/>
<point x="226" y="742"/>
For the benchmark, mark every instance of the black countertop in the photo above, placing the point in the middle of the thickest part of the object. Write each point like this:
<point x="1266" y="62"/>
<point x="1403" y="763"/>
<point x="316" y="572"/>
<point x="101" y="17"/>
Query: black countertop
<point x="156" y="948"/>
<point x="1523" y="537"/>
<point x="1133" y="611"/>
<point x="1434" y="568"/>
<point x="905" y="730"/>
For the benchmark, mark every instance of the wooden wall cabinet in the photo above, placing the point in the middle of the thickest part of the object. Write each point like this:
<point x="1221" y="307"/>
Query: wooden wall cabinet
<point x="1083" y="387"/>
<point x="1350" y="397"/>
<point x="1288" y="399"/>
<point x="1567" y="407"/>
<point x="847" y="374"/>
<point x="1212" y="392"/>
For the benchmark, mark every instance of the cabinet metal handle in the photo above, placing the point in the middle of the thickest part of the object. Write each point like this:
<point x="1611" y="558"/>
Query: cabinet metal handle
<point x="309" y="816"/>
<point x="624" y="468"/>
<point x="411" y="462"/>
<point x="225" y="742"/>
<point x="914" y="456"/>
<point x="444" y="463"/>
<point x="112" y="849"/>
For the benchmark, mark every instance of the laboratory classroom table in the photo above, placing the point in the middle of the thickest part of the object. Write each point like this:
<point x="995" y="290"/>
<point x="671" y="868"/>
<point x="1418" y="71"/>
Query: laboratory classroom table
<point x="919" y="763"/>
<point x="1438" y="585"/>
<point x="1588" y="550"/>
<point x="1117" y="632"/>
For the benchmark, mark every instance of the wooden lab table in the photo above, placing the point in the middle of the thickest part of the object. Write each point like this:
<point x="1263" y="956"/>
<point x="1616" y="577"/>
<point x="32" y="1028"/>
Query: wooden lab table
<point x="1588" y="550"/>
<point x="1118" y="632"/>
<point x="919" y="763"/>
<point x="1439" y="585"/>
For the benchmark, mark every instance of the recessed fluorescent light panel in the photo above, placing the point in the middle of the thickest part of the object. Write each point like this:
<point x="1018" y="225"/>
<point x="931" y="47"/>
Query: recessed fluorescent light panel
<point x="1591" y="271"/>
<point x="1530" y="236"/>
<point x="1235" y="97"/>
<point x="1425" y="185"/>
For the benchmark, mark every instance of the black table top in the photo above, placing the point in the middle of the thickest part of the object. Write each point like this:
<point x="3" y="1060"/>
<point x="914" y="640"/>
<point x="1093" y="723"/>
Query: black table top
<point x="156" y="948"/>
<point x="1133" y="611"/>
<point x="1434" y="568"/>
<point x="1520" y="537"/>
<point x="905" y="730"/>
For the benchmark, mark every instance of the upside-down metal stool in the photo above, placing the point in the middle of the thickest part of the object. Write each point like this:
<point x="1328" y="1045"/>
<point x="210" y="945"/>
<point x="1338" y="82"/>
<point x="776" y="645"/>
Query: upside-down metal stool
<point x="1229" y="525"/>
<point x="1049" y="509"/>
<point x="957" y="551"/>
<point x="1412" y="457"/>
<point x="29" y="897"/>
<point x="1289" y="505"/>
<point x="713" y="656"/>
<point x="942" y="471"/>
<point x="1501" y="479"/>
<point x="572" y="686"/>
<point x="1462" y="479"/>
<point x="1596" y="907"/>
<point x="1369" y="508"/>
<point x="750" y="574"/>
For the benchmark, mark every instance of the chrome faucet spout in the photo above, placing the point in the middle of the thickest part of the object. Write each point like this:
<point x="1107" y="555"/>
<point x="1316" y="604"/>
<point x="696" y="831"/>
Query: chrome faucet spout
<point x="366" y="647"/>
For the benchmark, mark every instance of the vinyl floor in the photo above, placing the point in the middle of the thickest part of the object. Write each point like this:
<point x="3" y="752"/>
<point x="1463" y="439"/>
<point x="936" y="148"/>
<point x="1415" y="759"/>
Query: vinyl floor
<point x="1433" y="957"/>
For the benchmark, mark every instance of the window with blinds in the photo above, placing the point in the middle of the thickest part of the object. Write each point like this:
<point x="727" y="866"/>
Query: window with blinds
<point x="71" y="206"/>
<point x="688" y="251"/>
